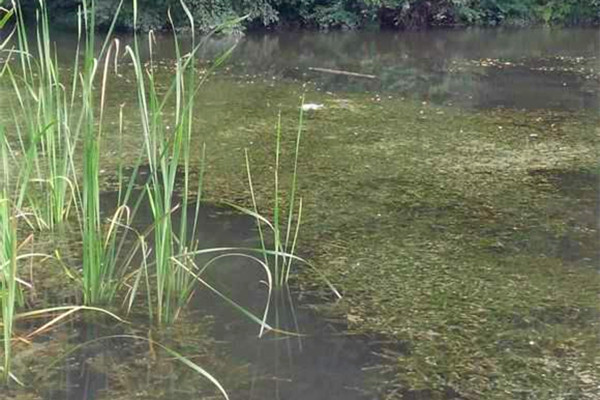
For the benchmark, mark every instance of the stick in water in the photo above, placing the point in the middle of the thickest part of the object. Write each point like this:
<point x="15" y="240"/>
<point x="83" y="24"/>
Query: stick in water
<point x="339" y="72"/>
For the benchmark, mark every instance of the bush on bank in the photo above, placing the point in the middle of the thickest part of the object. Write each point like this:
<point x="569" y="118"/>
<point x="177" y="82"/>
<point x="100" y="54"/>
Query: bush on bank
<point x="337" y="14"/>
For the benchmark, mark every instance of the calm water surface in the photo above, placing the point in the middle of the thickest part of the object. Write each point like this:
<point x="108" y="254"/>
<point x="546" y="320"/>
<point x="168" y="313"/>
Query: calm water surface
<point x="522" y="68"/>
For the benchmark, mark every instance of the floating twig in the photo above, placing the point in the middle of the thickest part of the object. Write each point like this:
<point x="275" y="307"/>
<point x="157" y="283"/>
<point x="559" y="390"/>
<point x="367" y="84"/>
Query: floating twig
<point x="339" y="72"/>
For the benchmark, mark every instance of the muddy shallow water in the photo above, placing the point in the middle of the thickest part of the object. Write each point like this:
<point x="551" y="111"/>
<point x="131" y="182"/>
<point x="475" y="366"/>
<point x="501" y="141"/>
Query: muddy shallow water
<point x="319" y="360"/>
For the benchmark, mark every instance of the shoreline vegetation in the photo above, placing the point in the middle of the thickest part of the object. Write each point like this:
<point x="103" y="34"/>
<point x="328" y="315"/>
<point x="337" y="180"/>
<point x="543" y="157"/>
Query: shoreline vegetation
<point x="327" y="14"/>
<point x="47" y="187"/>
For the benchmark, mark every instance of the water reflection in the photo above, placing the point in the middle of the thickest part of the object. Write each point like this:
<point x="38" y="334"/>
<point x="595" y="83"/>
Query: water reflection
<point x="425" y="64"/>
<point x="316" y="360"/>
<point x="81" y="375"/>
<point x="324" y="363"/>
<point x="539" y="68"/>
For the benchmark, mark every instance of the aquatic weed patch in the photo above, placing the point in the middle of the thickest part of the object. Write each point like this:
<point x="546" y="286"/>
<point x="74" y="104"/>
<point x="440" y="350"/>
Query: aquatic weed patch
<point x="443" y="228"/>
<point x="437" y="233"/>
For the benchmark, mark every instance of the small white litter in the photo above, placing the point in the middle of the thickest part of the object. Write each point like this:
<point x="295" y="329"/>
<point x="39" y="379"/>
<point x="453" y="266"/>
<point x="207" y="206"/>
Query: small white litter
<point x="312" y="107"/>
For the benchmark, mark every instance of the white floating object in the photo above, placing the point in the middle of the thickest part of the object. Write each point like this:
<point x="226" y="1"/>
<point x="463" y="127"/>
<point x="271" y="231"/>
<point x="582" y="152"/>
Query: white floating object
<point x="312" y="107"/>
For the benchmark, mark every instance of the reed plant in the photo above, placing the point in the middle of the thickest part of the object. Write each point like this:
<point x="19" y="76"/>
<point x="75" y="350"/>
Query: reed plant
<point x="50" y="122"/>
<point x="168" y="157"/>
<point x="278" y="236"/>
<point x="8" y="263"/>
<point x="6" y="16"/>
<point x="164" y="151"/>
<point x="99" y="284"/>
<point x="43" y="122"/>
<point x="106" y="260"/>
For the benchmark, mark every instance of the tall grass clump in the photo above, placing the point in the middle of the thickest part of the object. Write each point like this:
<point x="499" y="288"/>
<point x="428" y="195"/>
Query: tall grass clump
<point x="9" y="288"/>
<point x="50" y="121"/>
<point x="100" y="249"/>
<point x="42" y="119"/>
<point x="168" y="156"/>
<point x="281" y="232"/>
<point x="96" y="277"/>
<point x="52" y="117"/>
<point x="8" y="262"/>
<point x="94" y="267"/>
<point x="279" y="235"/>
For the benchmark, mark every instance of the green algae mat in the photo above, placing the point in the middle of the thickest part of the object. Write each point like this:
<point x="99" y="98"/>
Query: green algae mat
<point x="469" y="236"/>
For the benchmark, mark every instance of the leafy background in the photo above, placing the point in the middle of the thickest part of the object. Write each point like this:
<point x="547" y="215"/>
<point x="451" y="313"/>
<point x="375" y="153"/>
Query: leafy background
<point x="336" y="14"/>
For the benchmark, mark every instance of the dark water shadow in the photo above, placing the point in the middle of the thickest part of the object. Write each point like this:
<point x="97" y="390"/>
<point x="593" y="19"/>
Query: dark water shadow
<point x="578" y="244"/>
<point x="317" y="360"/>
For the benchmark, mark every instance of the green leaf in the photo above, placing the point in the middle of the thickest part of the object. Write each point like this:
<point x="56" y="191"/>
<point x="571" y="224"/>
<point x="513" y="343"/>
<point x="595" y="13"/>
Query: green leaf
<point x="6" y="17"/>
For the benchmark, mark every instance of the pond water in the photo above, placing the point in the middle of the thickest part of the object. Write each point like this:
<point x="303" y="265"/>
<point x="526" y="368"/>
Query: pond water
<point x="447" y="167"/>
<point x="521" y="68"/>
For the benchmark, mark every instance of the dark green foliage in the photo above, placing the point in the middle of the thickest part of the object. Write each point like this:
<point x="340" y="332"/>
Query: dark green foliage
<point x="569" y="11"/>
<point x="346" y="14"/>
<point x="324" y="14"/>
<point x="419" y="13"/>
<point x="154" y="13"/>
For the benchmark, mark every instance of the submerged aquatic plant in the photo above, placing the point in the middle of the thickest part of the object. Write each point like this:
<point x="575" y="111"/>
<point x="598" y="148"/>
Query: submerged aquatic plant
<point x="174" y="355"/>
